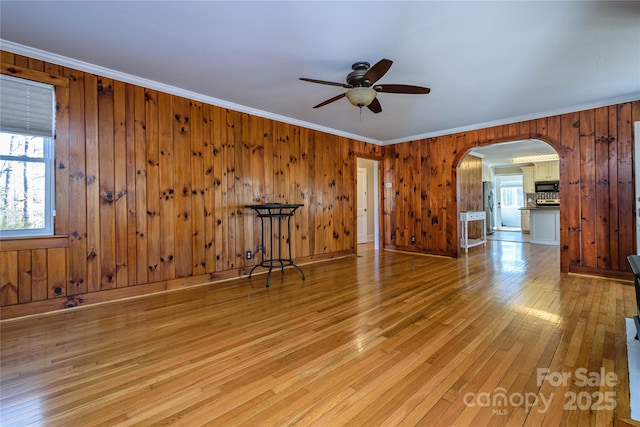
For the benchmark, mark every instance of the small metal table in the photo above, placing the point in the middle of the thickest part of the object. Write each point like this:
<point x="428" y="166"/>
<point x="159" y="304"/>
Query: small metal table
<point x="275" y="213"/>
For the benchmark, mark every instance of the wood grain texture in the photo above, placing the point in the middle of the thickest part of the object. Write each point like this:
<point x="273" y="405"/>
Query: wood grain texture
<point x="384" y="338"/>
<point x="150" y="189"/>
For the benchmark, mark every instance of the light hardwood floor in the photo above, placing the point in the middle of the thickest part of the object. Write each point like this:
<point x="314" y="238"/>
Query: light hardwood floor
<point x="382" y="338"/>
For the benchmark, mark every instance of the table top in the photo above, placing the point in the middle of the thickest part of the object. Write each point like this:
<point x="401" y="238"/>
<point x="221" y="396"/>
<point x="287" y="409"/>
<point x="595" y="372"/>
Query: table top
<point x="276" y="206"/>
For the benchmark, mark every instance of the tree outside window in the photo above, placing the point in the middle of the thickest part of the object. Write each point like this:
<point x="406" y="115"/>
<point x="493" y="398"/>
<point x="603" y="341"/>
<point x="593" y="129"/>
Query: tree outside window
<point x="23" y="177"/>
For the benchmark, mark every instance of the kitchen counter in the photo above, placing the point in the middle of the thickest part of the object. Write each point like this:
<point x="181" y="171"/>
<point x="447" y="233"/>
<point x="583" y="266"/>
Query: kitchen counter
<point x="545" y="225"/>
<point x="544" y="208"/>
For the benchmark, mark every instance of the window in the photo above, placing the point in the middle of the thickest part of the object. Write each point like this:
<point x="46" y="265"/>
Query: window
<point x="27" y="119"/>
<point x="512" y="197"/>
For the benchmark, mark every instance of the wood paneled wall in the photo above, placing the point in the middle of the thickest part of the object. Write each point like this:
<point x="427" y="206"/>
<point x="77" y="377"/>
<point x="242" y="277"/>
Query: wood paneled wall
<point x="597" y="208"/>
<point x="151" y="191"/>
<point x="470" y="190"/>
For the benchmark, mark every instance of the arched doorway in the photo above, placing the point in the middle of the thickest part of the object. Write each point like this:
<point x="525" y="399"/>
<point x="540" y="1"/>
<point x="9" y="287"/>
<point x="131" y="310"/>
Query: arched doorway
<point x="509" y="189"/>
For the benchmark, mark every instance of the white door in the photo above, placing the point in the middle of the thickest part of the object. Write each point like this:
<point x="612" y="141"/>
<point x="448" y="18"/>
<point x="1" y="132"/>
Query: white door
<point x="362" y="205"/>
<point x="510" y="199"/>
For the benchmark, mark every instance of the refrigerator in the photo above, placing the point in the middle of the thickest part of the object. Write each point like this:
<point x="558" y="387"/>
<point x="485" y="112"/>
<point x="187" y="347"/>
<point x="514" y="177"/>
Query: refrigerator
<point x="488" y="201"/>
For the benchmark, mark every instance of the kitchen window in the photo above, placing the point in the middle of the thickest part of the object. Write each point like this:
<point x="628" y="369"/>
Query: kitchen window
<point x="27" y="121"/>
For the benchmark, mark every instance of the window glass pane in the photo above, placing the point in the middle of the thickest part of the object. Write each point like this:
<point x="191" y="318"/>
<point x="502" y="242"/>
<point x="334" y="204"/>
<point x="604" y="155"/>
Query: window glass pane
<point x="22" y="195"/>
<point x="512" y="197"/>
<point x="21" y="145"/>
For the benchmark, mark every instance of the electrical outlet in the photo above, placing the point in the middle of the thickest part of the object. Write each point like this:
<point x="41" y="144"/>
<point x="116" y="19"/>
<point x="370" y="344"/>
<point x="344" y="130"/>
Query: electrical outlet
<point x="249" y="255"/>
<point x="413" y="239"/>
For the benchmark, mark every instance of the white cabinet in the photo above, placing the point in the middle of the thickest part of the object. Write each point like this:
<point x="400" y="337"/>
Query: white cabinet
<point x="547" y="171"/>
<point x="545" y="226"/>
<point x="525" y="220"/>
<point x="487" y="173"/>
<point x="528" y="182"/>
<point x="465" y="218"/>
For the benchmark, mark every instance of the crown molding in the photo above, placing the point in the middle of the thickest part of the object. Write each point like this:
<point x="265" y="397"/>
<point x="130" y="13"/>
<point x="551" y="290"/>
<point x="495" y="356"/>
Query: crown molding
<point x="516" y="119"/>
<point x="87" y="67"/>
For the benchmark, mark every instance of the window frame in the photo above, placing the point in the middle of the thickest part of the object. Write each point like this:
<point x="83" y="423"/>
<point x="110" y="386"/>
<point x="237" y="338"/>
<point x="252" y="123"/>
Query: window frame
<point x="48" y="159"/>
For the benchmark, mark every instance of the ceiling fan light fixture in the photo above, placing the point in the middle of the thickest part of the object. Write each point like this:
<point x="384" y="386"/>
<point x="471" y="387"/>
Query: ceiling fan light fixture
<point x="361" y="96"/>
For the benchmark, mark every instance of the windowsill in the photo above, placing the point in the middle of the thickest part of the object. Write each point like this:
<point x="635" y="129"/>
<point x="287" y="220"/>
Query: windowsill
<point x="39" y="242"/>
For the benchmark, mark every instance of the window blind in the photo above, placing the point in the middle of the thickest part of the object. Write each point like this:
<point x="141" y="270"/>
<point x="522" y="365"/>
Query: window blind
<point x="26" y="107"/>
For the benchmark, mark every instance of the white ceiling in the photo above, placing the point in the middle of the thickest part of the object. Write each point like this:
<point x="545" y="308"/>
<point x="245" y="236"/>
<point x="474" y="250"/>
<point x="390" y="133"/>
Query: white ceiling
<point x="486" y="63"/>
<point x="501" y="154"/>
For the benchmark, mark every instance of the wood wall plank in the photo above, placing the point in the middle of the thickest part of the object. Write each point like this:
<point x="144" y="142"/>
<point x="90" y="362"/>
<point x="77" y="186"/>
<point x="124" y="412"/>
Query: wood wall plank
<point x="257" y="182"/>
<point x="155" y="271"/>
<point x="92" y="160"/>
<point x="614" y="230"/>
<point x="108" y="194"/>
<point x="131" y="184"/>
<point x="209" y="189"/>
<point x="198" y="211"/>
<point x="602" y="190"/>
<point x="24" y="276"/>
<point x="230" y="201"/>
<point x="183" y="243"/>
<point x="626" y="221"/>
<point x="246" y="182"/>
<point x="120" y="170"/>
<point x="77" y="283"/>
<point x="166" y="171"/>
<point x="313" y="194"/>
<point x="587" y="171"/>
<point x="141" y="197"/>
<point x="219" y="186"/>
<point x="304" y="192"/>
<point x="39" y="271"/>
<point x="319" y="204"/>
<point x="8" y="278"/>
<point x="56" y="272"/>
<point x="61" y="222"/>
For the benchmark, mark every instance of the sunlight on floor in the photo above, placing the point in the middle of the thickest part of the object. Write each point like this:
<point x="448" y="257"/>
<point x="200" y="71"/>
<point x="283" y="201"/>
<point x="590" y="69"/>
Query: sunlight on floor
<point x="509" y="236"/>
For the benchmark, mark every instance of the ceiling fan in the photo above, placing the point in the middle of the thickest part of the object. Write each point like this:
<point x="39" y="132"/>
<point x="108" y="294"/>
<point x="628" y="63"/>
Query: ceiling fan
<point x="362" y="91"/>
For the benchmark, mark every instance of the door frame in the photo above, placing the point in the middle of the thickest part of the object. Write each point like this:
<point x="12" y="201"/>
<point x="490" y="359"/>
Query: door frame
<point x="498" y="197"/>
<point x="362" y="178"/>
<point x="377" y="202"/>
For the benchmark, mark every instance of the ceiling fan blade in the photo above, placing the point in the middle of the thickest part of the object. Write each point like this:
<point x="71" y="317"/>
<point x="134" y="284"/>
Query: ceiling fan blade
<point x="378" y="70"/>
<point x="375" y="106"/>
<point x="402" y="89"/>
<point x="324" y="82"/>
<point x="329" y="101"/>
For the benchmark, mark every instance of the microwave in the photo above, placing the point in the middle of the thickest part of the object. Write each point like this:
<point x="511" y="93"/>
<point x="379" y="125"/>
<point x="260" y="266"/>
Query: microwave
<point x="547" y="186"/>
